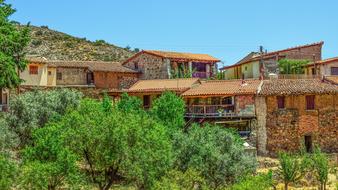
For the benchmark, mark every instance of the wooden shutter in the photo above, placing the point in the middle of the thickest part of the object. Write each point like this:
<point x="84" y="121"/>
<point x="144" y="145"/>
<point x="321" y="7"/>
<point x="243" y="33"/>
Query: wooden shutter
<point x="33" y="69"/>
<point x="281" y="102"/>
<point x="310" y="102"/>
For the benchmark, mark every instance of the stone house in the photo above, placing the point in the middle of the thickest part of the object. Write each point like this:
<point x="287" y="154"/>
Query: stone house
<point x="148" y="90"/>
<point x="260" y="65"/>
<point x="99" y="74"/>
<point x="167" y="65"/>
<point x="326" y="67"/>
<point x="292" y="113"/>
<point x="229" y="103"/>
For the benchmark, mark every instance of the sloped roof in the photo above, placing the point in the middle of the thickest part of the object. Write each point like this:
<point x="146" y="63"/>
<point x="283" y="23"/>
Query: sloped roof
<point x="93" y="65"/>
<point x="332" y="79"/>
<point x="224" y="87"/>
<point x="178" y="56"/>
<point x="297" y="87"/>
<point x="255" y="56"/>
<point x="324" y="61"/>
<point x="161" y="85"/>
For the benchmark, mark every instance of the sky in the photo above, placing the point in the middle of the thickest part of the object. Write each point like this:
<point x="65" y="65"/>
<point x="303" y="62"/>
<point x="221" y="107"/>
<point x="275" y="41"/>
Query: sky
<point x="226" y="29"/>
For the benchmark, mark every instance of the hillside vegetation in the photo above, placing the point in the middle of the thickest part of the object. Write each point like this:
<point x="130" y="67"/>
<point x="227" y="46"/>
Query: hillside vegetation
<point x="55" y="45"/>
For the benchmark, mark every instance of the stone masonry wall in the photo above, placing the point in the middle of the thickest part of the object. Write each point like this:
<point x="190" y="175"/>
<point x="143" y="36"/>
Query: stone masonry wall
<point x="245" y="104"/>
<point x="114" y="80"/>
<point x="287" y="127"/>
<point x="151" y="67"/>
<point x="260" y="128"/>
<point x="72" y="76"/>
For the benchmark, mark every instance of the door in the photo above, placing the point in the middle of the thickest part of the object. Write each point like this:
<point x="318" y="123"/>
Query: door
<point x="308" y="143"/>
<point x="90" y="78"/>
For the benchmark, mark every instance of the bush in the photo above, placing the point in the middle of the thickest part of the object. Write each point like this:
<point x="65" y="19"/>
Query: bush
<point x="217" y="153"/>
<point x="99" y="43"/>
<point x="36" y="42"/>
<point x="177" y="180"/>
<point x="258" y="182"/>
<point x="321" y="167"/>
<point x="129" y="104"/>
<point x="8" y="172"/>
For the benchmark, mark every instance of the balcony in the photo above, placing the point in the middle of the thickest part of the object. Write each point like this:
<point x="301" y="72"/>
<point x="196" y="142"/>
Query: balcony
<point x="201" y="74"/>
<point x="215" y="111"/>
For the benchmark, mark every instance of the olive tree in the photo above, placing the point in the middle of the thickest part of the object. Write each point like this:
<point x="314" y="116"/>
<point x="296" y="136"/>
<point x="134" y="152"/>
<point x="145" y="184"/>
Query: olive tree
<point x="118" y="145"/>
<point x="216" y="152"/>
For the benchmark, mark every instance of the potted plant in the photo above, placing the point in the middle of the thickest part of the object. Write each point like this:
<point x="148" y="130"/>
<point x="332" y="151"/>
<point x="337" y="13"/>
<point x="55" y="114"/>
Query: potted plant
<point x="220" y="111"/>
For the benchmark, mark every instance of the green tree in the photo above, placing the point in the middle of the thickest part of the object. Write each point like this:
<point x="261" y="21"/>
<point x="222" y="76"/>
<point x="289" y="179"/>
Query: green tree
<point x="8" y="138"/>
<point x="129" y="104"/>
<point x="107" y="104"/>
<point x="48" y="164"/>
<point x="291" y="66"/>
<point x="34" y="109"/>
<point x="291" y="168"/>
<point x="321" y="167"/>
<point x="117" y="146"/>
<point x="178" y="180"/>
<point x="216" y="152"/>
<point x="169" y="109"/>
<point x="13" y="40"/>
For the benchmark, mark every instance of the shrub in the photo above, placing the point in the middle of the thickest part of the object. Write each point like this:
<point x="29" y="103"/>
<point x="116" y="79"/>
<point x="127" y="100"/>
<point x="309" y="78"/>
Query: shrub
<point x="321" y="167"/>
<point x="258" y="182"/>
<point x="216" y="152"/>
<point x="129" y="104"/>
<point x="8" y="172"/>
<point x="177" y="180"/>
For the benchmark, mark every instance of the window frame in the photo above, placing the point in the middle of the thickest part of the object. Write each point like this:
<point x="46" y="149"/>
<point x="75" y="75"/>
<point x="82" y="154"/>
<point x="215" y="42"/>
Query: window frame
<point x="58" y="76"/>
<point x="281" y="102"/>
<point x="33" y="69"/>
<point x="310" y="102"/>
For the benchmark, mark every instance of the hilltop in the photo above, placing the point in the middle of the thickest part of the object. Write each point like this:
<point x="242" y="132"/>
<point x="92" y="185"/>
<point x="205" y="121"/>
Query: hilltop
<point x="55" y="45"/>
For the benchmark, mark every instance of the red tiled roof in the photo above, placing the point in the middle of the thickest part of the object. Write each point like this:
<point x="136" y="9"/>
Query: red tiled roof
<point x="93" y="65"/>
<point x="256" y="56"/>
<point x="224" y="87"/>
<point x="177" y="56"/>
<point x="296" y="87"/>
<point x="161" y="85"/>
<point x="324" y="61"/>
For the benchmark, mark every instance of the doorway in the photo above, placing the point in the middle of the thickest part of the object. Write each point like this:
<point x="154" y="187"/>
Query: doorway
<point x="308" y="143"/>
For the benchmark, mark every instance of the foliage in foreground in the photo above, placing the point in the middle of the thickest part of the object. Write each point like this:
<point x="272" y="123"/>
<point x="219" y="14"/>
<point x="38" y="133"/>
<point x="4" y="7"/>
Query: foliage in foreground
<point x="169" y="109"/>
<point x="117" y="146"/>
<point x="34" y="109"/>
<point x="290" y="66"/>
<point x="258" y="182"/>
<point x="13" y="40"/>
<point x="217" y="153"/>
<point x="178" y="180"/>
<point x="8" y="171"/>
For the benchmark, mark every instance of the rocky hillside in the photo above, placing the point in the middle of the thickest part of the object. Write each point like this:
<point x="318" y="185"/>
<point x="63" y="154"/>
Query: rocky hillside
<point x="55" y="45"/>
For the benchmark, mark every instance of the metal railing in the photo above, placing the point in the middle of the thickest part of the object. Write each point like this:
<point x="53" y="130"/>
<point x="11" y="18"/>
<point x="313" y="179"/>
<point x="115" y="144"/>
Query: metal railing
<point x="197" y="74"/>
<point x="214" y="111"/>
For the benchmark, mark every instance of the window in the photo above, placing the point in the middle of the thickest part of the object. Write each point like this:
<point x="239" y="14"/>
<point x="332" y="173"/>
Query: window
<point x="310" y="102"/>
<point x="245" y="68"/>
<point x="49" y="72"/>
<point x="136" y="65"/>
<point x="334" y="70"/>
<point x="33" y="70"/>
<point x="227" y="100"/>
<point x="146" y="101"/>
<point x="59" y="76"/>
<point x="313" y="71"/>
<point x="281" y="102"/>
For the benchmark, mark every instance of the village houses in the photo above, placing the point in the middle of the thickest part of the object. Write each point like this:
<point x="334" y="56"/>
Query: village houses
<point x="261" y="64"/>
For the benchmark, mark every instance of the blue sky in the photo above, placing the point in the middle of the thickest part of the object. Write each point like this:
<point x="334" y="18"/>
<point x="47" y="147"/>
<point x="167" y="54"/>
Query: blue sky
<point x="225" y="29"/>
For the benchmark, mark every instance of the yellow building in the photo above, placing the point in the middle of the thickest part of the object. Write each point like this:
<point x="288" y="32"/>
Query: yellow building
<point x="326" y="67"/>
<point x="256" y="65"/>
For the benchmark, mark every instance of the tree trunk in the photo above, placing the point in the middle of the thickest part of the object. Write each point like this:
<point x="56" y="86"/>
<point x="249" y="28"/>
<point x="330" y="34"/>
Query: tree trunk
<point x="286" y="186"/>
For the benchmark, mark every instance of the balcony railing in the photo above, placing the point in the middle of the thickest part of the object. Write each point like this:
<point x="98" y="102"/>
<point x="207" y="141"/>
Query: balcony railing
<point x="213" y="111"/>
<point x="201" y="74"/>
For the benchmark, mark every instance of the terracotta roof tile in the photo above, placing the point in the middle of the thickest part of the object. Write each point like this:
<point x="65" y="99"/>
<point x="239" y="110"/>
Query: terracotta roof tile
<point x="161" y="85"/>
<point x="255" y="55"/>
<point x="224" y="87"/>
<point x="324" y="61"/>
<point x="332" y="79"/>
<point x="296" y="87"/>
<point x="93" y="65"/>
<point x="177" y="56"/>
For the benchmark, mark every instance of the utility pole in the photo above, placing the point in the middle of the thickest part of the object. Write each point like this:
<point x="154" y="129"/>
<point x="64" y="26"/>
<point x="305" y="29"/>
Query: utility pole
<point x="261" y="70"/>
